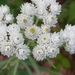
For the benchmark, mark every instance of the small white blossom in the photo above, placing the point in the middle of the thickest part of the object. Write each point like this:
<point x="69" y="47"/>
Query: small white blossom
<point x="7" y="48"/>
<point x="50" y="20"/>
<point x="55" y="8"/>
<point x="22" y="52"/>
<point x="39" y="52"/>
<point x="32" y="32"/>
<point x="52" y="52"/>
<point x="56" y="39"/>
<point x="44" y="39"/>
<point x="4" y="9"/>
<point x="68" y="35"/>
<point x="45" y="29"/>
<point x="13" y="28"/>
<point x="28" y="8"/>
<point x="9" y="18"/>
<point x="24" y="20"/>
<point x="16" y="38"/>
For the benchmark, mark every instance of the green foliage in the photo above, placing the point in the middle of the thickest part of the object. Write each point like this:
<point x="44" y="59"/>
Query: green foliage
<point x="63" y="61"/>
<point x="72" y="12"/>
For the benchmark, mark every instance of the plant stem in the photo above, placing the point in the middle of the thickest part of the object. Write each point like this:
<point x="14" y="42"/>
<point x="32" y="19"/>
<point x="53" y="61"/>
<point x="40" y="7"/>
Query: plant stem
<point x="50" y="62"/>
<point x="9" y="60"/>
<point x="16" y="67"/>
<point x="37" y="20"/>
<point x="27" y="68"/>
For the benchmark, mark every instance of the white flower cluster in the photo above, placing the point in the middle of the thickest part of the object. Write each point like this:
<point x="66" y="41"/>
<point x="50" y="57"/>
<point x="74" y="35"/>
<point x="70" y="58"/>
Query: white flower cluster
<point x="68" y="35"/>
<point x="47" y="43"/>
<point x="5" y="16"/>
<point x="48" y="46"/>
<point x="11" y="40"/>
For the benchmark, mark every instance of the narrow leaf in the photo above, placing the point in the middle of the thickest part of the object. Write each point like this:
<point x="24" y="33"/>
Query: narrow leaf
<point x="34" y="65"/>
<point x="27" y="68"/>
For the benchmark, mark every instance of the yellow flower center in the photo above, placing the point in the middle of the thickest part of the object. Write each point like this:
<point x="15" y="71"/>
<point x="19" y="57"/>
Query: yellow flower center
<point x="44" y="38"/>
<point x="46" y="29"/>
<point x="52" y="18"/>
<point x="24" y="20"/>
<point x="32" y="30"/>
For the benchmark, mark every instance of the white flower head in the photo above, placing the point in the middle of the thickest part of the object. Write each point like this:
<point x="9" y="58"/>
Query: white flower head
<point x="55" y="8"/>
<point x="45" y="29"/>
<point x="69" y="38"/>
<point x="56" y="39"/>
<point x="8" y="18"/>
<point x="41" y="12"/>
<point x="44" y="39"/>
<point x="50" y="20"/>
<point x="52" y="51"/>
<point x="22" y="52"/>
<point x="70" y="48"/>
<point x="13" y="28"/>
<point x="7" y="48"/>
<point x="39" y="52"/>
<point x="16" y="38"/>
<point x="32" y="32"/>
<point x="4" y="9"/>
<point x="28" y="8"/>
<point x="24" y="20"/>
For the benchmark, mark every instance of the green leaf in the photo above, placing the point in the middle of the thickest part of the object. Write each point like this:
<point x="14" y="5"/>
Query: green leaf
<point x="3" y="72"/>
<point x="72" y="12"/>
<point x="65" y="62"/>
<point x="49" y="70"/>
<point x="27" y="68"/>
<point x="22" y="72"/>
<point x="2" y="63"/>
<point x="15" y="67"/>
<point x="18" y="2"/>
<point x="3" y="2"/>
<point x="63" y="14"/>
<point x="50" y="62"/>
<point x="35" y="66"/>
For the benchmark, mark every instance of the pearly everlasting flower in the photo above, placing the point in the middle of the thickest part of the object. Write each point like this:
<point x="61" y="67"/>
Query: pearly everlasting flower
<point x="68" y="35"/>
<point x="55" y="8"/>
<point x="52" y="51"/>
<point x="70" y="48"/>
<point x="28" y="8"/>
<point x="22" y="52"/>
<point x="8" y="18"/>
<point x="44" y="39"/>
<point x="41" y="12"/>
<point x="50" y="20"/>
<point x="13" y="28"/>
<point x="39" y="52"/>
<point x="32" y="32"/>
<point x="45" y="29"/>
<point x="7" y="48"/>
<point x="24" y="20"/>
<point x="16" y="38"/>
<point x="4" y="9"/>
<point x="56" y="39"/>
